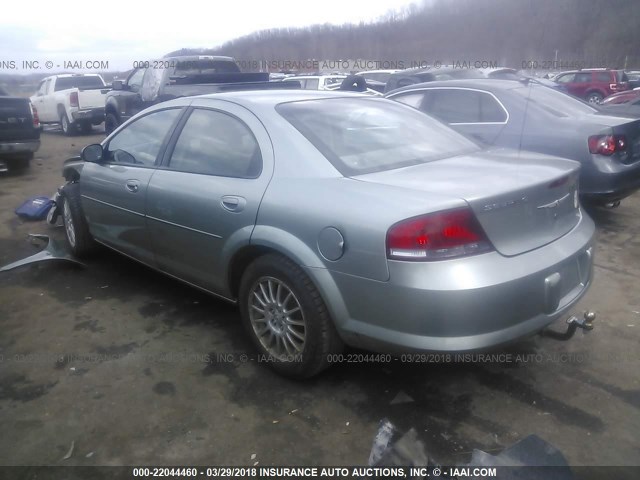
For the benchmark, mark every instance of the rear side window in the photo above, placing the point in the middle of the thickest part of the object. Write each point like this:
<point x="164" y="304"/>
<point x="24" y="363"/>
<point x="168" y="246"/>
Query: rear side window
<point x="91" y="81"/>
<point x="464" y="106"/>
<point x="139" y="142"/>
<point x="412" y="99"/>
<point x="603" y="77"/>
<point x="312" y="84"/>
<point x="215" y="143"/>
<point x="583" y="77"/>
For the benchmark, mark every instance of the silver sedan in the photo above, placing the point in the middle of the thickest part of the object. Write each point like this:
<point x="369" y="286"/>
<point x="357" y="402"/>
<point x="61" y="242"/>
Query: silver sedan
<point x="334" y="218"/>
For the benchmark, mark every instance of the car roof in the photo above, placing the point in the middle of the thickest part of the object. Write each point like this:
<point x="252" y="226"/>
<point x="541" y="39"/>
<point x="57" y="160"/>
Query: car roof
<point x="484" y="83"/>
<point x="193" y="58"/>
<point x="299" y="77"/>
<point x="274" y="97"/>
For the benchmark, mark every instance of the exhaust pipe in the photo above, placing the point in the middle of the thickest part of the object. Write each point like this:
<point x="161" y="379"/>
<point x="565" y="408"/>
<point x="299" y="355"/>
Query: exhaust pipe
<point x="586" y="324"/>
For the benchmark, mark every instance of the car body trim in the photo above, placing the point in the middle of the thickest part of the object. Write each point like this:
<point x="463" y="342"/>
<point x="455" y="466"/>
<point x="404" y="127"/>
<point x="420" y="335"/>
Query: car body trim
<point x="555" y="203"/>
<point x="422" y="89"/>
<point x="183" y="226"/>
<point x="114" y="206"/>
<point x="151" y="218"/>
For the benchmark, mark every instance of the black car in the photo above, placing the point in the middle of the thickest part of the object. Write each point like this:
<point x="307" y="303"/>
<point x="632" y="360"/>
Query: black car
<point x="529" y="116"/>
<point x="19" y="131"/>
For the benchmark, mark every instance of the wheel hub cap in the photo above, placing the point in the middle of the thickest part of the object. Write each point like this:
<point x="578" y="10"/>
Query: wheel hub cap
<point x="276" y="317"/>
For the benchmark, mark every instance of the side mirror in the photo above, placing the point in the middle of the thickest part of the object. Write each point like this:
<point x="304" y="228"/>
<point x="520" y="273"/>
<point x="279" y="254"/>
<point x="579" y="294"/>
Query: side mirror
<point x="92" y="153"/>
<point x="117" y="85"/>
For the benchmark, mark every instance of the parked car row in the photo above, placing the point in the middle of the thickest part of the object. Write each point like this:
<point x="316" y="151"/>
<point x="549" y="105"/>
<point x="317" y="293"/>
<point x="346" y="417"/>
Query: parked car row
<point x="524" y="115"/>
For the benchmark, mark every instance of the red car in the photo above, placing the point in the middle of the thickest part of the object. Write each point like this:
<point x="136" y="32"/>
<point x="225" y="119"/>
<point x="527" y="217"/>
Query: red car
<point x="593" y="85"/>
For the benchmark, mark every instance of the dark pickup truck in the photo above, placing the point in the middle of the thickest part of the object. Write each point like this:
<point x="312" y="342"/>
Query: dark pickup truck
<point x="172" y="77"/>
<point x="19" y="131"/>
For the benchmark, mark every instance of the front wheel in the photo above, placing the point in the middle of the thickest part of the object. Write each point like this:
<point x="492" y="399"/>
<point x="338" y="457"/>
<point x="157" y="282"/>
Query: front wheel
<point x="75" y="224"/>
<point x="110" y="123"/>
<point x="286" y="317"/>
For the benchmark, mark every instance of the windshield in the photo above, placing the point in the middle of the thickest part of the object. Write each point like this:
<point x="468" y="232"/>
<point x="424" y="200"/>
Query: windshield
<point x="89" y="81"/>
<point x="554" y="102"/>
<point x="359" y="135"/>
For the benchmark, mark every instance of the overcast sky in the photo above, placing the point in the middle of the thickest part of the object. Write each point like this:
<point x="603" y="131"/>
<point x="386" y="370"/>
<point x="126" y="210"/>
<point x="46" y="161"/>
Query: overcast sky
<point x="120" y="31"/>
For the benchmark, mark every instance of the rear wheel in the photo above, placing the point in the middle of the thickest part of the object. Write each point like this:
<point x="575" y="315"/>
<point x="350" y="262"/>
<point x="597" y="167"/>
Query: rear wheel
<point x="68" y="128"/>
<point x="286" y="317"/>
<point x="75" y="224"/>
<point x="594" y="98"/>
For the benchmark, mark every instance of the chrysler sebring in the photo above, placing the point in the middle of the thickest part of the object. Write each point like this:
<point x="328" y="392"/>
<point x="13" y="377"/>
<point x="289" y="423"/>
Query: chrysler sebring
<point x="334" y="218"/>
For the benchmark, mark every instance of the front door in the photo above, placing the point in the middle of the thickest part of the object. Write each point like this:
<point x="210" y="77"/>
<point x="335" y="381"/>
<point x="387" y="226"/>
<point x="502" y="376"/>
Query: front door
<point x="114" y="191"/>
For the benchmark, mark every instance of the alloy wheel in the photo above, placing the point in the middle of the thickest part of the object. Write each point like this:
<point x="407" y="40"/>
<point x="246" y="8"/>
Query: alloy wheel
<point x="277" y="318"/>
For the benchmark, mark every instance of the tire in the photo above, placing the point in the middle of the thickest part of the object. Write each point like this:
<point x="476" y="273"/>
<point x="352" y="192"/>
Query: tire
<point x="594" y="98"/>
<point x="21" y="162"/>
<point x="76" y="228"/>
<point x="110" y="123"/>
<point x="68" y="128"/>
<point x="274" y="334"/>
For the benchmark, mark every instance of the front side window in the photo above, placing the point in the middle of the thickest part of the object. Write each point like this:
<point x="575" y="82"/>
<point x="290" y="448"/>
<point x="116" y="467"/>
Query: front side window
<point x="215" y="143"/>
<point x="568" y="78"/>
<point x="135" y="80"/>
<point x="139" y="142"/>
<point x="365" y="135"/>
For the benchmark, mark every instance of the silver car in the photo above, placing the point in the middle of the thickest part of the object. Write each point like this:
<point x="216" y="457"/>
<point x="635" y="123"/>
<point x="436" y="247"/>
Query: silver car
<point x="335" y="218"/>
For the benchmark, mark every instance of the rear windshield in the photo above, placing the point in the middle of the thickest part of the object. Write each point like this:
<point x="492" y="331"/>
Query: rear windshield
<point x="554" y="102"/>
<point x="365" y="135"/>
<point x="91" y="81"/>
<point x="205" y="67"/>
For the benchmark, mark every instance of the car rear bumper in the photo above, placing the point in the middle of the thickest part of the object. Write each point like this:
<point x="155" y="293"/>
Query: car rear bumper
<point x="93" y="115"/>
<point x="612" y="181"/>
<point x="22" y="146"/>
<point x="467" y="304"/>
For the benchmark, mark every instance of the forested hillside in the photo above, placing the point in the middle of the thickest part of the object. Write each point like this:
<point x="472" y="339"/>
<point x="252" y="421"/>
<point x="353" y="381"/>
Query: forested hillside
<point x="593" y="32"/>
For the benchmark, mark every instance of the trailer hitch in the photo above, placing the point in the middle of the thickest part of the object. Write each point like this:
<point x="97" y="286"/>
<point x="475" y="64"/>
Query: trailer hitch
<point x="586" y="324"/>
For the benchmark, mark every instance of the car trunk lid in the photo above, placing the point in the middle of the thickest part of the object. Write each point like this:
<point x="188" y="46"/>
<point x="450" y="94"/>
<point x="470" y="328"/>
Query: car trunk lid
<point x="523" y="201"/>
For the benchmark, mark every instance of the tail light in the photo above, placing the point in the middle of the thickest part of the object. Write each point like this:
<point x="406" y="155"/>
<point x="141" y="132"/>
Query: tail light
<point x="607" y="144"/>
<point x="73" y="99"/>
<point x="34" y="116"/>
<point x="437" y="236"/>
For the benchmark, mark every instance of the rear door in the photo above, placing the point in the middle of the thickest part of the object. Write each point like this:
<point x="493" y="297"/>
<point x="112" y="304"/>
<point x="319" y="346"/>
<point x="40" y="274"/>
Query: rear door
<point x="114" y="191"/>
<point x="475" y="113"/>
<point x="202" y="204"/>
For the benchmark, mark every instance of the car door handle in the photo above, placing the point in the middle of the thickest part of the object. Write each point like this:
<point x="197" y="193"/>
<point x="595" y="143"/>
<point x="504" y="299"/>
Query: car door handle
<point x="132" y="186"/>
<point x="233" y="203"/>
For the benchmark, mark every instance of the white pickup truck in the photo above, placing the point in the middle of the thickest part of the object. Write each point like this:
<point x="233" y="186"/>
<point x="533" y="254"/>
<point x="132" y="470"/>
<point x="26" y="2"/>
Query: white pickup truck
<point x="72" y="100"/>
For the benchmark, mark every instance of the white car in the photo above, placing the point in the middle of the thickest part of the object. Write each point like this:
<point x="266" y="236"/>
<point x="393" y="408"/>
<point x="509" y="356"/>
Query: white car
<point x="377" y="75"/>
<point x="317" y="82"/>
<point x="72" y="100"/>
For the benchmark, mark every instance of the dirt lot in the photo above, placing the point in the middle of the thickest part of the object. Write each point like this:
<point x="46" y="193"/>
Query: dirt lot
<point x="135" y="368"/>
